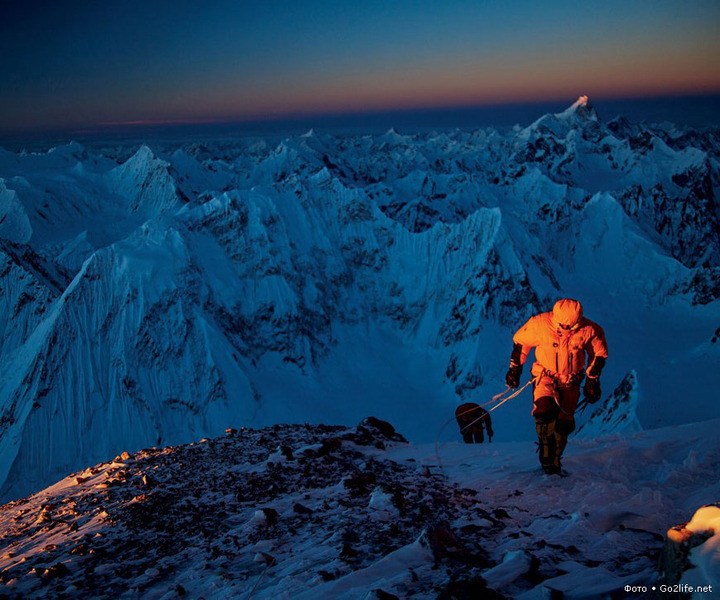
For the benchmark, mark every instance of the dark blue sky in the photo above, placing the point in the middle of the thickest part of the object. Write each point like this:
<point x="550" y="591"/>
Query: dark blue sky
<point x="81" y="63"/>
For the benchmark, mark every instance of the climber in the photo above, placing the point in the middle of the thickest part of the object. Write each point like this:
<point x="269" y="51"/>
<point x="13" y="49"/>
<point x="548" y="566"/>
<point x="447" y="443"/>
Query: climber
<point x="561" y="339"/>
<point x="471" y="418"/>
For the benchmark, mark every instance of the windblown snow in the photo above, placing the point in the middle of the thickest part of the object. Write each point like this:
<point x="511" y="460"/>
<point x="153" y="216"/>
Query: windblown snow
<point x="154" y="296"/>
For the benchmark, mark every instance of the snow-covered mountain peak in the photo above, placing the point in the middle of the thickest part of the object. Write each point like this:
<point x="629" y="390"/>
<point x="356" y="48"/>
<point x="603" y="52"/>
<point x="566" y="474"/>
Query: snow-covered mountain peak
<point x="144" y="160"/>
<point x="145" y="182"/>
<point x="582" y="101"/>
<point x="579" y="118"/>
<point x="582" y="108"/>
<point x="14" y="223"/>
<point x="70" y="151"/>
<point x="393" y="138"/>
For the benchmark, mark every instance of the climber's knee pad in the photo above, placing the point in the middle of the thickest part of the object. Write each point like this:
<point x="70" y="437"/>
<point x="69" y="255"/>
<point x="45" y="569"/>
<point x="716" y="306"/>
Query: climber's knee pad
<point x="545" y="409"/>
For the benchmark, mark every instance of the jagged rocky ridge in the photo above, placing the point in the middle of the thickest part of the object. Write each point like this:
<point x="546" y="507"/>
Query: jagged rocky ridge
<point x="300" y="511"/>
<point x="151" y="296"/>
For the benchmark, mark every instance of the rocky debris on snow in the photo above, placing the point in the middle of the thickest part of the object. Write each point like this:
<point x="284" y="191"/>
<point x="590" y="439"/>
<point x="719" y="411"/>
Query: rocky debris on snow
<point x="309" y="511"/>
<point x="226" y="509"/>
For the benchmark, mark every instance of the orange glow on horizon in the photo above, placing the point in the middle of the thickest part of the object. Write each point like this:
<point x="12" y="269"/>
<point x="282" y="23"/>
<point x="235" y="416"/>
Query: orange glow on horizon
<point x="467" y="84"/>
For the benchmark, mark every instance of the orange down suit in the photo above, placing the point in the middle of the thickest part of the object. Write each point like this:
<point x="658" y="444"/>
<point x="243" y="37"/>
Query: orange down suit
<point x="560" y="357"/>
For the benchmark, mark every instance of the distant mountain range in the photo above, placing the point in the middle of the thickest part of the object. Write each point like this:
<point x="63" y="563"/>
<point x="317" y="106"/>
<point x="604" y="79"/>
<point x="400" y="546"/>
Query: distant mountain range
<point x="155" y="296"/>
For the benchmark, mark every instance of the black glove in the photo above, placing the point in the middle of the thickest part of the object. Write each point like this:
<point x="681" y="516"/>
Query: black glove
<point x="592" y="390"/>
<point x="512" y="378"/>
<point x="597" y="367"/>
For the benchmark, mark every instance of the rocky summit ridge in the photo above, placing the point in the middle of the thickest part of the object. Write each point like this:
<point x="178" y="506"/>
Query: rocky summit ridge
<point x="310" y="511"/>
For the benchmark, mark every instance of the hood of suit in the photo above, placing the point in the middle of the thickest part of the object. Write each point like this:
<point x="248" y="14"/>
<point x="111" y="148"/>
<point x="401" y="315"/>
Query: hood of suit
<point x="567" y="313"/>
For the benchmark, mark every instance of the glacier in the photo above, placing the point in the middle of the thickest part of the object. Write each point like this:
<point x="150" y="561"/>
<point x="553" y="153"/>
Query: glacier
<point x="158" y="295"/>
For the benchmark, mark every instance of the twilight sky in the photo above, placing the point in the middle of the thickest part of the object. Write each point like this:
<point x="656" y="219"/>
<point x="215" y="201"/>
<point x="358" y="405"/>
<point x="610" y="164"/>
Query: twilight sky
<point x="79" y="63"/>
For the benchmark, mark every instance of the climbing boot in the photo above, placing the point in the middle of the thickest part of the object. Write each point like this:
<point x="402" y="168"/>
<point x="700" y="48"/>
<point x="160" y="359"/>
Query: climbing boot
<point x="547" y="446"/>
<point x="563" y="428"/>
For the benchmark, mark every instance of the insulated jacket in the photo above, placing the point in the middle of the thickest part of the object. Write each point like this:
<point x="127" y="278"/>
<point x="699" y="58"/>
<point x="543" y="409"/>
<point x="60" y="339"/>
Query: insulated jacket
<point x="561" y="352"/>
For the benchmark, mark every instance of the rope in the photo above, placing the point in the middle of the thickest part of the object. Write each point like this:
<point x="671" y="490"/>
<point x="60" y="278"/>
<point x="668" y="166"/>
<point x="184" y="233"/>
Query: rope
<point x="270" y="563"/>
<point x="497" y="398"/>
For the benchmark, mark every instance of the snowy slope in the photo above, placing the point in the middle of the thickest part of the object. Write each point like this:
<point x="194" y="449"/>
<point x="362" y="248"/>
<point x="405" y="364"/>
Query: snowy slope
<point x="335" y="512"/>
<point x="153" y="295"/>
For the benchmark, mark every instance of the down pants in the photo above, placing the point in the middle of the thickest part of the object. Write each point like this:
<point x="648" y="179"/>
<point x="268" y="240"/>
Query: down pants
<point x="552" y="399"/>
<point x="554" y="405"/>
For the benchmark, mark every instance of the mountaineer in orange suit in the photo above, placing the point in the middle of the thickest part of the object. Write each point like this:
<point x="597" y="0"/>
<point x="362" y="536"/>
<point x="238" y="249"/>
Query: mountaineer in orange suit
<point x="562" y="339"/>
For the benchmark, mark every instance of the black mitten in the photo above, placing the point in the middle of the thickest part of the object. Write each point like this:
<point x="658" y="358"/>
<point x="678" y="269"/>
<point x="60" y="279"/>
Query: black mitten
<point x="592" y="390"/>
<point x="512" y="378"/>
